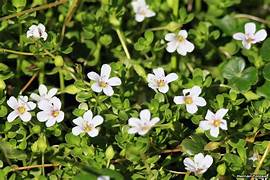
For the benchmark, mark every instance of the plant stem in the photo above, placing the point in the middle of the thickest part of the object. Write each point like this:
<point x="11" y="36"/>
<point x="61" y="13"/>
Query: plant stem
<point x="34" y="166"/>
<point x="28" y="11"/>
<point x="122" y="40"/>
<point x="2" y="50"/>
<point x="247" y="16"/>
<point x="29" y="82"/>
<point x="198" y="5"/>
<point x="261" y="161"/>
<point x="42" y="162"/>
<point x="62" y="84"/>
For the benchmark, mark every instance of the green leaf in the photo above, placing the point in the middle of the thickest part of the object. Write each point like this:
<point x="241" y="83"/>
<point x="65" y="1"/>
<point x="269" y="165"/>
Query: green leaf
<point x="265" y="49"/>
<point x="193" y="145"/>
<point x="266" y="71"/>
<point x="140" y="70"/>
<point x="264" y="90"/>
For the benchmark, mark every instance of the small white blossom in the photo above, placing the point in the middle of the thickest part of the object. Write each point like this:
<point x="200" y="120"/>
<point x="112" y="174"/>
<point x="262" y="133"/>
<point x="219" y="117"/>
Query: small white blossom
<point x="142" y="125"/>
<point x="87" y="124"/>
<point x="214" y="122"/>
<point x="103" y="82"/>
<point x="178" y="42"/>
<point x="191" y="99"/>
<point x="20" y="108"/>
<point x="103" y="178"/>
<point x="141" y="10"/>
<point x="158" y="80"/>
<point x="254" y="157"/>
<point x="199" y="164"/>
<point x="44" y="94"/>
<point x="51" y="111"/>
<point x="37" y="31"/>
<point x="250" y="36"/>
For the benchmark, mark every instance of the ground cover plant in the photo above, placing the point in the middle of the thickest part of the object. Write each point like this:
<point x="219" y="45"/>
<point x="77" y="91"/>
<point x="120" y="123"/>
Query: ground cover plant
<point x="141" y="89"/>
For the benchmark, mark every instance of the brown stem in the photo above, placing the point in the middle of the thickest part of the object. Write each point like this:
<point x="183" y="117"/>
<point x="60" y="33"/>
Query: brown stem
<point x="28" y="11"/>
<point x="255" y="18"/>
<point x="35" y="166"/>
<point x="29" y="82"/>
<point x="166" y="151"/>
<point x="70" y="13"/>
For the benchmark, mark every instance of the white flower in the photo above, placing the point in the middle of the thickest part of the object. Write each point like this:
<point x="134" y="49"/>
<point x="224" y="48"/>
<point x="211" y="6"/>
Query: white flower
<point x="214" y="122"/>
<point x="142" y="125"/>
<point x="37" y="31"/>
<point x="21" y="108"/>
<point x="141" y="10"/>
<point x="254" y="157"/>
<point x="199" y="164"/>
<point x="103" y="82"/>
<point x="51" y="111"/>
<point x="250" y="36"/>
<point x="191" y="99"/>
<point x="179" y="42"/>
<point x="44" y="94"/>
<point x="103" y="178"/>
<point x="87" y="124"/>
<point x="159" y="81"/>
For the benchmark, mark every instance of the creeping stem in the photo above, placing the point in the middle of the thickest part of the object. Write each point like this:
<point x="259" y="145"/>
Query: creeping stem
<point x="122" y="40"/>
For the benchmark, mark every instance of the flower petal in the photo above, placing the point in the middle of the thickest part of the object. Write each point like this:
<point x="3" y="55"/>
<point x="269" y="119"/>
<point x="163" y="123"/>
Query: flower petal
<point x="105" y="71"/>
<point x="114" y="81"/>
<point x="239" y="36"/>
<point x="205" y="125"/>
<point x="135" y="122"/>
<point x="108" y="90"/>
<point x="260" y="35"/>
<point x="223" y="125"/>
<point x="210" y="115"/>
<point x="93" y="133"/>
<point x="43" y="116"/>
<point x="26" y="116"/>
<point x="189" y="46"/>
<point x="79" y="121"/>
<point x="12" y="102"/>
<point x="159" y="72"/>
<point x="50" y="122"/>
<point x="190" y="165"/>
<point x="88" y="115"/>
<point x="171" y="77"/>
<point x="30" y="105"/>
<point x="246" y="44"/>
<point x="42" y="89"/>
<point x="41" y="27"/>
<point x="154" y="121"/>
<point x="221" y="113"/>
<point x="52" y="92"/>
<point x="214" y="131"/>
<point x="195" y="91"/>
<point x="145" y="115"/>
<point x="12" y="116"/>
<point x="181" y="50"/>
<point x="164" y="88"/>
<point x="132" y="130"/>
<point x="56" y="103"/>
<point x="207" y="161"/>
<point x="96" y="88"/>
<point x="170" y="37"/>
<point x="191" y="108"/>
<point x="199" y="101"/>
<point x="35" y="96"/>
<point x="250" y="28"/>
<point x="60" y="116"/>
<point x="172" y="46"/>
<point x="198" y="158"/>
<point x="183" y="33"/>
<point x="97" y="120"/>
<point x="45" y="105"/>
<point x="139" y="17"/>
<point x="179" y="99"/>
<point x="77" y="130"/>
<point x="93" y="76"/>
<point x="151" y="78"/>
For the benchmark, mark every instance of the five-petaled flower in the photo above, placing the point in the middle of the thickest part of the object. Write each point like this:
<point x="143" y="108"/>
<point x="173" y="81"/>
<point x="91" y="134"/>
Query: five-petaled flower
<point x="158" y="80"/>
<point x="51" y="111"/>
<point x="191" y="99"/>
<point x="250" y="36"/>
<point x="44" y="94"/>
<point x="20" y="108"/>
<point x="103" y="82"/>
<point x="37" y="31"/>
<point x="199" y="164"/>
<point x="87" y="124"/>
<point x="214" y="122"/>
<point x="142" y="125"/>
<point x="141" y="10"/>
<point x="103" y="178"/>
<point x="178" y="42"/>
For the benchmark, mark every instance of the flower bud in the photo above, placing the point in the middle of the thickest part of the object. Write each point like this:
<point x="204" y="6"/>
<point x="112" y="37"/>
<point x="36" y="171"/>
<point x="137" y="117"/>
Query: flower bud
<point x="221" y="169"/>
<point x="36" y="129"/>
<point x="2" y="84"/>
<point x="109" y="153"/>
<point x="58" y="61"/>
<point x="173" y="26"/>
<point x="42" y="143"/>
<point x="114" y="21"/>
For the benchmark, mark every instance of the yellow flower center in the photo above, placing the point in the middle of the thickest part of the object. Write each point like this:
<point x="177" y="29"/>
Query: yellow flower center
<point x="217" y="122"/>
<point x="87" y="127"/>
<point x="21" y="109"/>
<point x="180" y="38"/>
<point x="188" y="100"/>
<point x="55" y="113"/>
<point x="250" y="39"/>
<point x="161" y="83"/>
<point x="102" y="84"/>
<point x="145" y="128"/>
